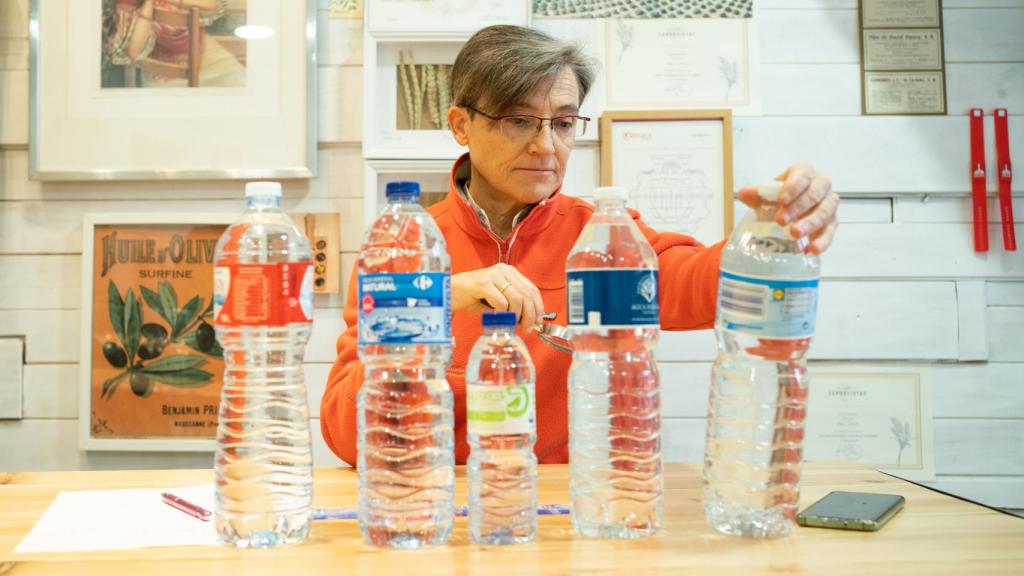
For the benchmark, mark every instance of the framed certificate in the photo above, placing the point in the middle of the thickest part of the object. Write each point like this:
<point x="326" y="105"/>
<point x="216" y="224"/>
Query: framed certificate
<point x="680" y="63"/>
<point x="677" y="165"/>
<point x="901" y="13"/>
<point x="902" y="49"/>
<point x="875" y="415"/>
<point x="904" y="93"/>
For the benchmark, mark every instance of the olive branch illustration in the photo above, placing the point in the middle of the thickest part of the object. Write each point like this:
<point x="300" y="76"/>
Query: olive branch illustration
<point x="142" y="343"/>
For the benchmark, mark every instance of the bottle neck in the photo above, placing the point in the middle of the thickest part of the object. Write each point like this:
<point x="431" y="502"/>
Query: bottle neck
<point x="396" y="199"/>
<point x="611" y="205"/>
<point x="766" y="210"/>
<point x="499" y="331"/>
<point x="261" y="203"/>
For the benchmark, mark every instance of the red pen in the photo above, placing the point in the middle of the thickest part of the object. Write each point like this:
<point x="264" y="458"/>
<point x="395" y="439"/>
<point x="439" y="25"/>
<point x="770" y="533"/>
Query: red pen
<point x="186" y="506"/>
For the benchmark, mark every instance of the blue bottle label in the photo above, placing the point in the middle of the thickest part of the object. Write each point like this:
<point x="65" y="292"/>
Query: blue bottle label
<point x="768" y="308"/>
<point x="613" y="297"/>
<point x="405" y="308"/>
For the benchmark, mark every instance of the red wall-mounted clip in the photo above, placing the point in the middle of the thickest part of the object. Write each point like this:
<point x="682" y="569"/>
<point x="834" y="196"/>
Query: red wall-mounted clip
<point x="1005" y="174"/>
<point x="978" y="180"/>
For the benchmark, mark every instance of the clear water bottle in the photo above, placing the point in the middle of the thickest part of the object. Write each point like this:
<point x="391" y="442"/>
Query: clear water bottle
<point x="405" y="416"/>
<point x="263" y="313"/>
<point x="767" y="301"/>
<point x="502" y="430"/>
<point x="614" y="415"/>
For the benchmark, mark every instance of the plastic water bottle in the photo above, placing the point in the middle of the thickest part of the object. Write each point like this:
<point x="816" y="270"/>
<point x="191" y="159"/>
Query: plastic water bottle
<point x="767" y="300"/>
<point x="263" y="313"/>
<point x="405" y="408"/>
<point x="614" y="415"/>
<point x="502" y="430"/>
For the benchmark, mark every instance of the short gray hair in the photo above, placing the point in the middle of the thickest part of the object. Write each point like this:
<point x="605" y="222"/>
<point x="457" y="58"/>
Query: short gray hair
<point x="501" y="66"/>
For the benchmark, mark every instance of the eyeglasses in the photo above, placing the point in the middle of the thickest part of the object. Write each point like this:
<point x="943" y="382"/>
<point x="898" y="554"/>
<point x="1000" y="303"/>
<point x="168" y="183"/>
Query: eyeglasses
<point x="524" y="126"/>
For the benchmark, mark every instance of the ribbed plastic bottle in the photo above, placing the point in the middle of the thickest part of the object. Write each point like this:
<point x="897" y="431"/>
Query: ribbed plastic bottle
<point x="405" y="419"/>
<point x="614" y="415"/>
<point x="502" y="430"/>
<point x="263" y="313"/>
<point x="767" y="302"/>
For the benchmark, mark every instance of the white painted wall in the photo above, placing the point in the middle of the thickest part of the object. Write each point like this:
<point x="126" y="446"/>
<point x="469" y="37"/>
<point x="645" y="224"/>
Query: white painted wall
<point x="901" y="282"/>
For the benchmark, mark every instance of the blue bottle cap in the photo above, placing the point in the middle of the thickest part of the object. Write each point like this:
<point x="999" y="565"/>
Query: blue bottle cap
<point x="499" y="319"/>
<point x="402" y="189"/>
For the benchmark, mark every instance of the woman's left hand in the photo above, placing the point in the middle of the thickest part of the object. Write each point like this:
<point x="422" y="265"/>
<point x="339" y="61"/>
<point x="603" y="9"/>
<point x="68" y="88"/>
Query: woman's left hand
<point x="807" y="206"/>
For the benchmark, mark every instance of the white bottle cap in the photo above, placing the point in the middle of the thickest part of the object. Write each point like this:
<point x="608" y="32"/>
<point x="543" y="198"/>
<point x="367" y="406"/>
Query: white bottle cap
<point x="263" y="188"/>
<point x="769" y="191"/>
<point x="611" y="193"/>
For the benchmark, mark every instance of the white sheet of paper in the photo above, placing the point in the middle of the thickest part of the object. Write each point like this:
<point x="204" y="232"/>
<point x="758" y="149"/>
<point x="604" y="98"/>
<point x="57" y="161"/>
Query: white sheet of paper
<point x="120" y="520"/>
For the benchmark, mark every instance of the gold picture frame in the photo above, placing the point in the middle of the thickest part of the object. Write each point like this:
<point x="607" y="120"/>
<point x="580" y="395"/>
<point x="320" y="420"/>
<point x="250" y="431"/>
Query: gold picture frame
<point x="678" y="165"/>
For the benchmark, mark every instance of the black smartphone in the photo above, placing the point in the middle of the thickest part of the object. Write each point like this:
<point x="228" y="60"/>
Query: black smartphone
<point x="852" y="511"/>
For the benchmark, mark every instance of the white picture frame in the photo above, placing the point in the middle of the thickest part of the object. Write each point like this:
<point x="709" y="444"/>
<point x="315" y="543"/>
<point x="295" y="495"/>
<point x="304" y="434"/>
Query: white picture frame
<point x="443" y="16"/>
<point x="854" y="412"/>
<point x="88" y="341"/>
<point x="80" y="130"/>
<point x="382" y="139"/>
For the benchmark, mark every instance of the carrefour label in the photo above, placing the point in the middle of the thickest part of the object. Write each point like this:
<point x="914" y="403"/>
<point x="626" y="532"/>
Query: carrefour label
<point x="768" y="308"/>
<point x="613" y="297"/>
<point x="492" y="409"/>
<point x="405" y="308"/>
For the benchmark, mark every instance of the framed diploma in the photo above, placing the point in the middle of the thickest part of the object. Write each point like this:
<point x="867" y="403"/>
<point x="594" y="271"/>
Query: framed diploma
<point x="151" y="367"/>
<point x="901" y="13"/>
<point x="699" y="62"/>
<point x="902" y="49"/>
<point x="876" y="415"/>
<point x="904" y="93"/>
<point x="677" y="166"/>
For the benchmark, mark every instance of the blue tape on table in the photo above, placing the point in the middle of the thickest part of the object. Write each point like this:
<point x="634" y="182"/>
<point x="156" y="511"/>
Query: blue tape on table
<point x="353" y="514"/>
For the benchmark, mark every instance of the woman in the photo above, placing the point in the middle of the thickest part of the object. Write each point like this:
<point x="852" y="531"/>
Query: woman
<point x="509" y="228"/>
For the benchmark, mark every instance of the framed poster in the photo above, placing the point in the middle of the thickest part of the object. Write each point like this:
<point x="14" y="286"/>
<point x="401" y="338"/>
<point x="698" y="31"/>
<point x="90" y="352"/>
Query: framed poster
<point x="172" y="89"/>
<point x="151" y="367"/>
<point x="677" y="165"/>
<point x="877" y="415"/>
<point x="901" y="13"/>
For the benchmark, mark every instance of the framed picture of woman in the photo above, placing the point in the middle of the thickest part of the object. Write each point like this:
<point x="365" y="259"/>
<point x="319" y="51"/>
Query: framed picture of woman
<point x="172" y="89"/>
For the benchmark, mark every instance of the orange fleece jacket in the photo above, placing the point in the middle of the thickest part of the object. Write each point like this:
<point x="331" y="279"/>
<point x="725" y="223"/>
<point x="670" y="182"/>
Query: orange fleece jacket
<point x="538" y="247"/>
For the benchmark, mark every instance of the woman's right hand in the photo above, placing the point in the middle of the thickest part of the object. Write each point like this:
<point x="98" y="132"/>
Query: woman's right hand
<point x="500" y="287"/>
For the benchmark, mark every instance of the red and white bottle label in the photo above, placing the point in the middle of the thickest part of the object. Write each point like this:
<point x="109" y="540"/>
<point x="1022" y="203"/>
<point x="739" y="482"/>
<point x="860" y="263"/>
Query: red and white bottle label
<point x="263" y="294"/>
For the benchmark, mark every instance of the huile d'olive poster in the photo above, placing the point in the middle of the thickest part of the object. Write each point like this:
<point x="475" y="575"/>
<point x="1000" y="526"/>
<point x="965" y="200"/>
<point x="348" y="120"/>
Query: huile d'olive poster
<point x="156" y="365"/>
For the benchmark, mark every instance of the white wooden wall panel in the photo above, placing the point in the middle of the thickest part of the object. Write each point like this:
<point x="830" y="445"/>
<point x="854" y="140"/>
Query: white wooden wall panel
<point x="14" y="113"/>
<point x="50" y="335"/>
<point x="12" y="353"/>
<point x="810" y="89"/>
<point x="945" y="210"/>
<point x="1005" y="293"/>
<point x="918" y="251"/>
<point x="339" y="41"/>
<point x="1006" y="334"/>
<point x="40" y="282"/>
<point x="51" y="391"/>
<point x="990" y="35"/>
<point x="972" y="328"/>
<point x="986" y="86"/>
<point x="995" y="491"/>
<point x="340" y="93"/>
<point x="867" y="155"/>
<point x="990" y="447"/>
<point x="825" y="36"/>
<point x="978" y="390"/>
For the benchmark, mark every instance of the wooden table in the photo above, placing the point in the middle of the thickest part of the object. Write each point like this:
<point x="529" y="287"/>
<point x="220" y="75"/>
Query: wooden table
<point x="935" y="534"/>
